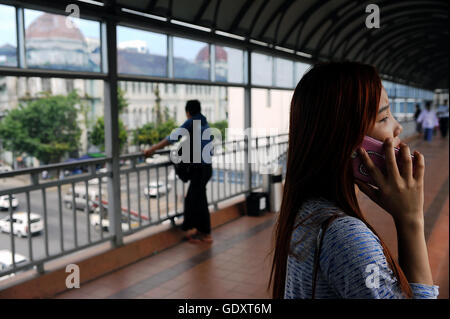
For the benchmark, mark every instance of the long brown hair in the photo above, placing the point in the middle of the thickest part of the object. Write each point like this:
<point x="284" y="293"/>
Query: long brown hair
<point x="333" y="107"/>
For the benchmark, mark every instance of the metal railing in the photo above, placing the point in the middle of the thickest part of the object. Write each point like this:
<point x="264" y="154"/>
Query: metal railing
<point x="67" y="211"/>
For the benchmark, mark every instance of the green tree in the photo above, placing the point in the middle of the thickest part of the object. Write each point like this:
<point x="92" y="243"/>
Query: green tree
<point x="121" y="100"/>
<point x="145" y="135"/>
<point x="221" y="126"/>
<point x="157" y="108"/>
<point x="45" y="128"/>
<point x="150" y="134"/>
<point x="97" y="136"/>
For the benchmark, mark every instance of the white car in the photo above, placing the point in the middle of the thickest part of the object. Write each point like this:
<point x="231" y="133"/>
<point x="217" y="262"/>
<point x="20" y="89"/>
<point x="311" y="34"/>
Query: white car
<point x="4" y="202"/>
<point x="95" y="221"/>
<point x="5" y="168"/>
<point x="154" y="189"/>
<point x="80" y="198"/>
<point x="157" y="159"/>
<point x="104" y="179"/>
<point x="6" y="261"/>
<point x="20" y="224"/>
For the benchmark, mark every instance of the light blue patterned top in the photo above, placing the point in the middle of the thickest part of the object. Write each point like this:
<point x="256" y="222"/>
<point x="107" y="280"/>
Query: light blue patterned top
<point x="351" y="263"/>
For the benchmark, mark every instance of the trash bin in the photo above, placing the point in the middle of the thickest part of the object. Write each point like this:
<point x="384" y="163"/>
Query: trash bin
<point x="275" y="189"/>
<point x="257" y="203"/>
<point x="272" y="185"/>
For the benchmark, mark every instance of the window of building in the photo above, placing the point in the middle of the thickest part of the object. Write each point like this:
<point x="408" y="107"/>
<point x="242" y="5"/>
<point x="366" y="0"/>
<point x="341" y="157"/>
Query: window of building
<point x="261" y="69"/>
<point x="54" y="41"/>
<point x="300" y="70"/>
<point x="284" y="73"/>
<point x="229" y="64"/>
<point x="191" y="59"/>
<point x="8" y="40"/>
<point x="141" y="52"/>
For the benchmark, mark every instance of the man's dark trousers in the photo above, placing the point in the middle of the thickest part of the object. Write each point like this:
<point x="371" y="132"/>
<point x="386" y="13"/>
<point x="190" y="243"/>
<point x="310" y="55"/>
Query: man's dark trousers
<point x="196" y="212"/>
<point x="443" y="126"/>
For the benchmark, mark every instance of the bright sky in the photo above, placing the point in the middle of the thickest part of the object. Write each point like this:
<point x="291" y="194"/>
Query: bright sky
<point x="8" y="25"/>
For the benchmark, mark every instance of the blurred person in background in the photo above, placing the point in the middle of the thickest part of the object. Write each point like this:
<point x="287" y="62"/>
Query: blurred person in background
<point x="416" y="116"/>
<point x="429" y="122"/>
<point x="442" y="114"/>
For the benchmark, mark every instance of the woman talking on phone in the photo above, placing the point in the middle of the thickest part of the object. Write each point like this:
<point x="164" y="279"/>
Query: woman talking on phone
<point x="324" y="246"/>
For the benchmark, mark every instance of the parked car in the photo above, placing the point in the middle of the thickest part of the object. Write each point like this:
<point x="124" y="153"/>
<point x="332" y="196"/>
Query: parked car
<point x="104" y="179"/>
<point x="5" y="168"/>
<point x="95" y="220"/>
<point x="157" y="159"/>
<point x="20" y="224"/>
<point x="4" y="202"/>
<point x="156" y="189"/>
<point x="6" y="261"/>
<point x="80" y="198"/>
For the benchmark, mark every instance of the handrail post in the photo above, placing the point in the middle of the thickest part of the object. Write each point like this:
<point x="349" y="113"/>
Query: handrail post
<point x="112" y="130"/>
<point x="248" y="123"/>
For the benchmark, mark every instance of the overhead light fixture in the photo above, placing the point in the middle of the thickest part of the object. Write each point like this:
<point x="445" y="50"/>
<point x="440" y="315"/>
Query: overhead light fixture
<point x="284" y="49"/>
<point x="259" y="42"/>
<point x="229" y="35"/>
<point x="147" y="15"/>
<point x="190" y="25"/>
<point x="97" y="3"/>
<point x="306" y="55"/>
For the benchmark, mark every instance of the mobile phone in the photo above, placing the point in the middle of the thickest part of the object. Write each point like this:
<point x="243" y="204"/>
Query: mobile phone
<point x="375" y="150"/>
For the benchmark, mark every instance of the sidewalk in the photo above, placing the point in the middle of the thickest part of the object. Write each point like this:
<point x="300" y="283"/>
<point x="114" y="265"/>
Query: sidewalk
<point x="237" y="265"/>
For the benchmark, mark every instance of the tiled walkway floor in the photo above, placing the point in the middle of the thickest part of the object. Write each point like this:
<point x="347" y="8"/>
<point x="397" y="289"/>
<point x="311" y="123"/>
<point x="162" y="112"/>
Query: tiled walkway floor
<point x="237" y="265"/>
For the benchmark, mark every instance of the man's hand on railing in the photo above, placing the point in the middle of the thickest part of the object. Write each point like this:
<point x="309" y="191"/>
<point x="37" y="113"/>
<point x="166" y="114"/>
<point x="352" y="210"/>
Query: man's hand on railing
<point x="163" y="143"/>
<point x="149" y="152"/>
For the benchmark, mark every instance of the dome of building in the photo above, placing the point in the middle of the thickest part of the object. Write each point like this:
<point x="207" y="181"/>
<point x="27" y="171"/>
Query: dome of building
<point x="203" y="54"/>
<point x="52" y="26"/>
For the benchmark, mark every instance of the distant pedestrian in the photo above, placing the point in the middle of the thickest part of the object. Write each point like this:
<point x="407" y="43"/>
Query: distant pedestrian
<point x="416" y="116"/>
<point x="442" y="113"/>
<point x="429" y="121"/>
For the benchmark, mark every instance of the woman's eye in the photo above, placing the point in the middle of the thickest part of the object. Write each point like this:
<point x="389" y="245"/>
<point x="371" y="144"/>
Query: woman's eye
<point x="384" y="120"/>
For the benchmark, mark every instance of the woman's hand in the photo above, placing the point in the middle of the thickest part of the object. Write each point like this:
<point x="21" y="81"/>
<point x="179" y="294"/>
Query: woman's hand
<point x="401" y="192"/>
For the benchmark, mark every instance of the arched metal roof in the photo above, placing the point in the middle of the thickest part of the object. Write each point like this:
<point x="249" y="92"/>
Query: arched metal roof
<point x="411" y="43"/>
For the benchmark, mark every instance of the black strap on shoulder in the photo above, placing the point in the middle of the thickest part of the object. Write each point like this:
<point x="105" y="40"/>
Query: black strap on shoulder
<point x="320" y="236"/>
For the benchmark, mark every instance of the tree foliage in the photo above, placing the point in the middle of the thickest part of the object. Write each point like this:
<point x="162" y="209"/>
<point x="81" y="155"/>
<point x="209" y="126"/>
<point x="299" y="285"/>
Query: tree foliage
<point x="97" y="136"/>
<point x="45" y="128"/>
<point x="150" y="133"/>
<point x="221" y="126"/>
<point x="121" y="100"/>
